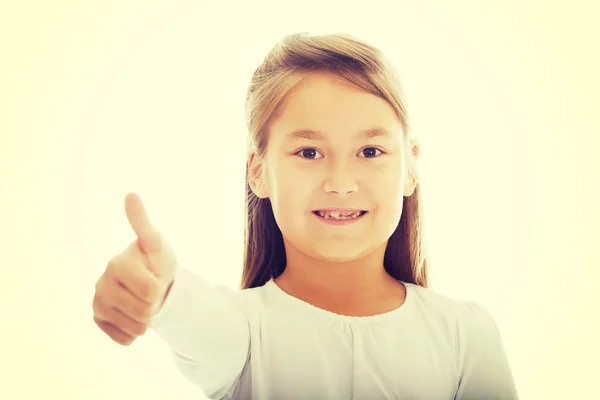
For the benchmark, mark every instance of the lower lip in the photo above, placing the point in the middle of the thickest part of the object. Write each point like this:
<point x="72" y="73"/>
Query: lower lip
<point x="333" y="221"/>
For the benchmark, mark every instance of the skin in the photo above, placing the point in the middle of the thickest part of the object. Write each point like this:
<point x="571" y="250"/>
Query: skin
<point x="337" y="268"/>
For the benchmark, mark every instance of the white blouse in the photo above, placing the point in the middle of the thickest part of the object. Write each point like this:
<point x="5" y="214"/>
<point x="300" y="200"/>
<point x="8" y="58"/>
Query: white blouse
<point x="265" y="344"/>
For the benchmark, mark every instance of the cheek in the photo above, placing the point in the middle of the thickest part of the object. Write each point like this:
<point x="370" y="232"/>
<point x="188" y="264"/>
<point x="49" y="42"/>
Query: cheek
<point x="388" y="210"/>
<point x="289" y="192"/>
<point x="387" y="188"/>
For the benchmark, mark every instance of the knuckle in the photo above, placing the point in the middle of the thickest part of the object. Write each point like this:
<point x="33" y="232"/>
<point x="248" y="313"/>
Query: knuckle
<point x="99" y="285"/>
<point x="113" y="266"/>
<point x="129" y="326"/>
<point x="134" y="308"/>
<point x="99" y="307"/>
<point x="116" y="334"/>
<point x="139" y="329"/>
<point x="98" y="322"/>
<point x="149" y="289"/>
<point x="121" y="302"/>
<point x="104" y="293"/>
<point x="96" y="305"/>
<point x="143" y="313"/>
<point x="102" y="287"/>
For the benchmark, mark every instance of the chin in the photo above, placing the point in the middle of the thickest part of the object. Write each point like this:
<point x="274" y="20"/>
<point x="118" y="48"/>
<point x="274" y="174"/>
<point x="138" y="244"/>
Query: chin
<point x="338" y="253"/>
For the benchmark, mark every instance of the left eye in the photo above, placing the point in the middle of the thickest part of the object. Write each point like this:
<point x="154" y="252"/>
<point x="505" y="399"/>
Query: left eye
<point x="371" y="152"/>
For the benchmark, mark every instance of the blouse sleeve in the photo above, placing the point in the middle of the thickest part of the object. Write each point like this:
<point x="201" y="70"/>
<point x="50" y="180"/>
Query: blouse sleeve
<point x="207" y="331"/>
<point x="484" y="369"/>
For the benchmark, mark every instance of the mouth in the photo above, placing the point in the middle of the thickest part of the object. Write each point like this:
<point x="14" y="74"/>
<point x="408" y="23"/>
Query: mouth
<point x="339" y="214"/>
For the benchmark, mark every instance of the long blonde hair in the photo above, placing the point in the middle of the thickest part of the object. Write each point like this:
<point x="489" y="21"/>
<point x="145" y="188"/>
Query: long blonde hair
<point x="363" y="66"/>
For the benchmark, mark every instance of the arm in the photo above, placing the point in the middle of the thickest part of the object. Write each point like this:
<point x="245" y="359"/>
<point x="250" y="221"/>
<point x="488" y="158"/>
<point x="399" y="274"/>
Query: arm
<point x="207" y="331"/>
<point x="483" y="364"/>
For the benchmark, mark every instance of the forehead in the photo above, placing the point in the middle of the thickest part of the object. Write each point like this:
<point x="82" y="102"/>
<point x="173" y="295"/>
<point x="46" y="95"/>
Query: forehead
<point x="323" y="101"/>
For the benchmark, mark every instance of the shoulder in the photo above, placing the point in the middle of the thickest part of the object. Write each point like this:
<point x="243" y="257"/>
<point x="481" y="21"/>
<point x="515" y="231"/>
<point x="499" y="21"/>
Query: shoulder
<point x="482" y="359"/>
<point x="461" y="319"/>
<point x="478" y="331"/>
<point x="475" y="317"/>
<point x="255" y="299"/>
<point x="434" y="304"/>
<point x="473" y="332"/>
<point x="435" y="301"/>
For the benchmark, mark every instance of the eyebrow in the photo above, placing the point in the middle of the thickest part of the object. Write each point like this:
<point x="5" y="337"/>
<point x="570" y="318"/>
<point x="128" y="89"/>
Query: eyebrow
<point x="316" y="135"/>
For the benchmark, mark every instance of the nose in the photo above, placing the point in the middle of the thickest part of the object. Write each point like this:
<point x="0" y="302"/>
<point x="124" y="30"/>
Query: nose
<point x="340" y="180"/>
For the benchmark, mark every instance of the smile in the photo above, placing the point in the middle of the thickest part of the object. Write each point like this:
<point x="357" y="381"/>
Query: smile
<point x="339" y="216"/>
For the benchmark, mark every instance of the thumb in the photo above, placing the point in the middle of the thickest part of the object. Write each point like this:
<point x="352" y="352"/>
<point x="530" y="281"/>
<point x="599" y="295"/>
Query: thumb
<point x="149" y="238"/>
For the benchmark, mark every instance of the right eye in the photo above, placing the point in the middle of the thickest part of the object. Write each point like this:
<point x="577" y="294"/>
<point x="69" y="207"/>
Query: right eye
<point x="309" y="153"/>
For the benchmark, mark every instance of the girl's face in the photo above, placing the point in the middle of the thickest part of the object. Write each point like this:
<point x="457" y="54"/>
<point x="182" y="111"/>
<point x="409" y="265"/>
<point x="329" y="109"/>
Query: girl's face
<point x="331" y="147"/>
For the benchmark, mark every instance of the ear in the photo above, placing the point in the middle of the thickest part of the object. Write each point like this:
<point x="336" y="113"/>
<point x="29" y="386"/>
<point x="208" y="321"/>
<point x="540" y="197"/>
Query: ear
<point x="413" y="155"/>
<point x="257" y="176"/>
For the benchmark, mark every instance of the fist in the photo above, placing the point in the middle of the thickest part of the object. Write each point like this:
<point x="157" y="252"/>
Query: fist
<point x="136" y="282"/>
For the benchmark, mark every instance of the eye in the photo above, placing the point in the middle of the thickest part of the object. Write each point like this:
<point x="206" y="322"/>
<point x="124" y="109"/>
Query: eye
<point x="371" y="152"/>
<point x="309" y="153"/>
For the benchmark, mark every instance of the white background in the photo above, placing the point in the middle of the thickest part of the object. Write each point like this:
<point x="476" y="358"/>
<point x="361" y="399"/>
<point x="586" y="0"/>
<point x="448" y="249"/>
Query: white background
<point x="102" y="98"/>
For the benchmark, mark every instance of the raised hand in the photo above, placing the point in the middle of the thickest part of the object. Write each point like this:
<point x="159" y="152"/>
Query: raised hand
<point x="136" y="282"/>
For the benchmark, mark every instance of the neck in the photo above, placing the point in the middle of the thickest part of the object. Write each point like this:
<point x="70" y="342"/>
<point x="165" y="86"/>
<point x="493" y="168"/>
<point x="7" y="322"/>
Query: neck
<point x="361" y="278"/>
<point x="359" y="287"/>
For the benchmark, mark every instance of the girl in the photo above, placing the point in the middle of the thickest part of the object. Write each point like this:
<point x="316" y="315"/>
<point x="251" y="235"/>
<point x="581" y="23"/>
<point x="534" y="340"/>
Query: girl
<point x="334" y="301"/>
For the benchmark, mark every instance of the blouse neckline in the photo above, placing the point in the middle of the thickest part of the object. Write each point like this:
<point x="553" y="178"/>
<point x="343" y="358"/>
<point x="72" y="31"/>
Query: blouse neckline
<point x="402" y="309"/>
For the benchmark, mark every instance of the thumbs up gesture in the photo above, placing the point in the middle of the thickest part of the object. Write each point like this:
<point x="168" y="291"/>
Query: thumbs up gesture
<point x="136" y="282"/>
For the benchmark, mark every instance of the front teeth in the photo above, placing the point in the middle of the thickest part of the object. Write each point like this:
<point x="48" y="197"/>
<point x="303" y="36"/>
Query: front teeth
<point x="336" y="215"/>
